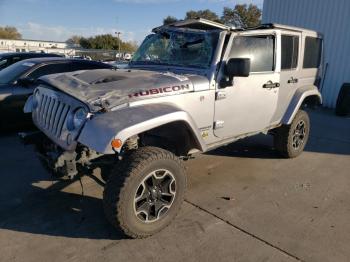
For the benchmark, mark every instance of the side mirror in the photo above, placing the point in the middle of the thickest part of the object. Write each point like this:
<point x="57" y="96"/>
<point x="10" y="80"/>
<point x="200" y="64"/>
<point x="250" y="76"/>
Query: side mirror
<point x="236" y="67"/>
<point x="25" y="81"/>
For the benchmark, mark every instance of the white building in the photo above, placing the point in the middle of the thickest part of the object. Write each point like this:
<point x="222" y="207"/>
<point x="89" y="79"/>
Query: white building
<point x="332" y="19"/>
<point x="25" y="45"/>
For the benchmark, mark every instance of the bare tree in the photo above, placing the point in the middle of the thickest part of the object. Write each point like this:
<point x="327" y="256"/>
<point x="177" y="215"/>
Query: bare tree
<point x="74" y="40"/>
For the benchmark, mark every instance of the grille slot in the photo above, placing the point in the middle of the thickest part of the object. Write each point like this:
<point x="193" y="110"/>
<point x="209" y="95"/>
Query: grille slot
<point x="51" y="114"/>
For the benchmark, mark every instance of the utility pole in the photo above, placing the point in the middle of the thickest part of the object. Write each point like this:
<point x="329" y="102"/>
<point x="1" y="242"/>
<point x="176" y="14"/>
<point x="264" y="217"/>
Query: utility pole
<point x="118" y="35"/>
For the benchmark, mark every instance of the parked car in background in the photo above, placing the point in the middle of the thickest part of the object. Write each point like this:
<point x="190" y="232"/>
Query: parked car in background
<point x="123" y="56"/>
<point x="127" y="56"/>
<point x="7" y="59"/>
<point x="84" y="57"/>
<point x="16" y="83"/>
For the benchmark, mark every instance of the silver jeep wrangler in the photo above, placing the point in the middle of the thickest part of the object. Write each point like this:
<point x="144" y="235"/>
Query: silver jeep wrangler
<point x="191" y="87"/>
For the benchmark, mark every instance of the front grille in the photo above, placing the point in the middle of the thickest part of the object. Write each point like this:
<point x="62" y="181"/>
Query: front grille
<point x="51" y="114"/>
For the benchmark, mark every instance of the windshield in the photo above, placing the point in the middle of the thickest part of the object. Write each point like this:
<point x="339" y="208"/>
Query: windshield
<point x="176" y="48"/>
<point x="11" y="73"/>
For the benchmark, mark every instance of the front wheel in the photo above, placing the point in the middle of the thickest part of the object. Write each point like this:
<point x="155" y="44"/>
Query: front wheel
<point x="290" y="140"/>
<point x="145" y="192"/>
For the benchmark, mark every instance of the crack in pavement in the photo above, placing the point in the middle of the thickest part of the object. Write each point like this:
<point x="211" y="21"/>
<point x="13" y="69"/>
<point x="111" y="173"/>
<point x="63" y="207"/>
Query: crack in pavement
<point x="245" y="231"/>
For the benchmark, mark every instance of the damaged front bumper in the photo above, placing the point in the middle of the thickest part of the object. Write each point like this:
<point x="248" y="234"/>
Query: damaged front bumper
<point x="59" y="162"/>
<point x="62" y="163"/>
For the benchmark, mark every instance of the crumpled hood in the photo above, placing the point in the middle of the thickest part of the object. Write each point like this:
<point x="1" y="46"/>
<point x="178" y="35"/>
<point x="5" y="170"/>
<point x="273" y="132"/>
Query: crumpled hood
<point x="106" y="88"/>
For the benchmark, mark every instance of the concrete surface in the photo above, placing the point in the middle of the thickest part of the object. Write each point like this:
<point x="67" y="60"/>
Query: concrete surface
<point x="244" y="203"/>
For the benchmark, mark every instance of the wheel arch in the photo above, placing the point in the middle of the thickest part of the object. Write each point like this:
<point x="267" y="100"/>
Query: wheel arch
<point x="312" y="101"/>
<point x="128" y="122"/>
<point x="177" y="137"/>
<point x="306" y="95"/>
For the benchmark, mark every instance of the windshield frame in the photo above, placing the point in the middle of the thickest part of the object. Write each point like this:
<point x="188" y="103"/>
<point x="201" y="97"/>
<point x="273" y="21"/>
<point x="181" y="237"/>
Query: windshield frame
<point x="152" y="64"/>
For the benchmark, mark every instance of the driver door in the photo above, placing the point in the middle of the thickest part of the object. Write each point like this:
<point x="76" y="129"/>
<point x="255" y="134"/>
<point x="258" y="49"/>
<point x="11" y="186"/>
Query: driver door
<point x="248" y="105"/>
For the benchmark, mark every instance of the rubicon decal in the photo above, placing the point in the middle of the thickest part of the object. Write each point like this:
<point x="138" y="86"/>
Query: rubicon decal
<point x="162" y="90"/>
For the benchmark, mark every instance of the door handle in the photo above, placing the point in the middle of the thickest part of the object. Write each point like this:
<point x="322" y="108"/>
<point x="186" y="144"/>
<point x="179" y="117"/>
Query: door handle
<point x="270" y="85"/>
<point x="293" y="80"/>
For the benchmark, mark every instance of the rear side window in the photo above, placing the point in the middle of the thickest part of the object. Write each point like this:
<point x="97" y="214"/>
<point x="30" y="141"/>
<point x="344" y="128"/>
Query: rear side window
<point x="312" y="53"/>
<point x="16" y="59"/>
<point x="290" y="52"/>
<point x="260" y="50"/>
<point x="50" y="69"/>
<point x="86" y="66"/>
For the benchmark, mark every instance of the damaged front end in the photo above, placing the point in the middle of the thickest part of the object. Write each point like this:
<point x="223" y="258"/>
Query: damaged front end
<point x="66" y="164"/>
<point x="60" y="119"/>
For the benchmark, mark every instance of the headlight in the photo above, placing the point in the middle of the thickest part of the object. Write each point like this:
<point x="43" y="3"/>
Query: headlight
<point x="77" y="119"/>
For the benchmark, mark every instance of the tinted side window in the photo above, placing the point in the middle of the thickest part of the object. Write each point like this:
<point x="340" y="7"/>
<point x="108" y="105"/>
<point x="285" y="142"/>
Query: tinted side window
<point x="312" y="53"/>
<point x="260" y="49"/>
<point x="290" y="51"/>
<point x="15" y="59"/>
<point x="50" y="69"/>
<point x="86" y="66"/>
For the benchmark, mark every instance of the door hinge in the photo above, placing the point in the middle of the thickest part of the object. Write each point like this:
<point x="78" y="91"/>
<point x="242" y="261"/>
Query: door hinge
<point x="220" y="95"/>
<point x="219" y="124"/>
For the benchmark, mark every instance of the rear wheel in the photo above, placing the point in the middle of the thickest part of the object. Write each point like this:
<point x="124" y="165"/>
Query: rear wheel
<point x="290" y="140"/>
<point x="145" y="192"/>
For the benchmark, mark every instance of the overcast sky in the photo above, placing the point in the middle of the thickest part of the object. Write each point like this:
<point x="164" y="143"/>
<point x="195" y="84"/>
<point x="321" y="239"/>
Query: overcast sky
<point x="59" y="19"/>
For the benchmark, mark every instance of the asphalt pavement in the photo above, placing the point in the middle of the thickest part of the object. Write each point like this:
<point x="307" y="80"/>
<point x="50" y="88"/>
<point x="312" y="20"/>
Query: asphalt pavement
<point x="244" y="203"/>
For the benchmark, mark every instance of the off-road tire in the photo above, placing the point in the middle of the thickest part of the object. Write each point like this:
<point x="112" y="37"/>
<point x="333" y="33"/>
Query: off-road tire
<point x="343" y="101"/>
<point x="124" y="180"/>
<point x="283" y="138"/>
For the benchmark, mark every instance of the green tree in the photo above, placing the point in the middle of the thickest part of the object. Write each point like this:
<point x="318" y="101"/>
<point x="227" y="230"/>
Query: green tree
<point x="169" y="20"/>
<point x="9" y="32"/>
<point x="206" y="14"/>
<point x="242" y="16"/>
<point x="85" y="43"/>
<point x="104" y="42"/>
<point x="107" y="42"/>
